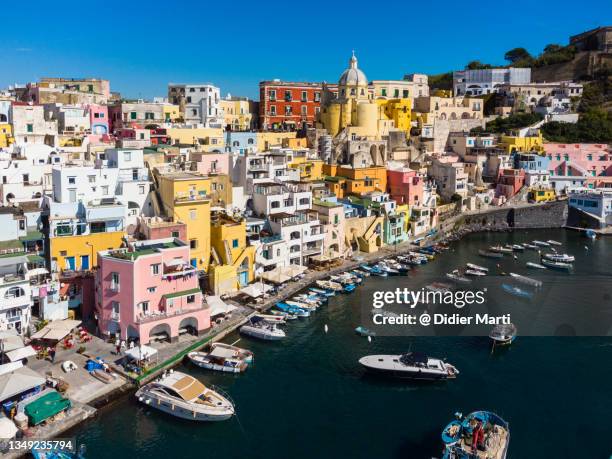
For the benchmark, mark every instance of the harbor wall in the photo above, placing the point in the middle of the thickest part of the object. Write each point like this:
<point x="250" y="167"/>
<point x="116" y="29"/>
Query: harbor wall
<point x="548" y="215"/>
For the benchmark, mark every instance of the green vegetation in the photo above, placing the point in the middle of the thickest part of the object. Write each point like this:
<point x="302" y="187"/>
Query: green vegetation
<point x="505" y="125"/>
<point x="593" y="126"/>
<point x="442" y="81"/>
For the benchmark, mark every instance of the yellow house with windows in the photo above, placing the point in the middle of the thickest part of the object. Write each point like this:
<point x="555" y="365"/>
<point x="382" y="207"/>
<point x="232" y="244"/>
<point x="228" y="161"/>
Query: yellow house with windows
<point x="185" y="197"/>
<point x="171" y="112"/>
<point x="6" y="134"/>
<point x="525" y="144"/>
<point x="266" y="140"/>
<point x="344" y="181"/>
<point x="232" y="259"/>
<point x="311" y="170"/>
<point x="210" y="138"/>
<point x="541" y="195"/>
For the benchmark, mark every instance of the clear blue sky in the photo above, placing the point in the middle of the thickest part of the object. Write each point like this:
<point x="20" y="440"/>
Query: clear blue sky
<point x="141" y="46"/>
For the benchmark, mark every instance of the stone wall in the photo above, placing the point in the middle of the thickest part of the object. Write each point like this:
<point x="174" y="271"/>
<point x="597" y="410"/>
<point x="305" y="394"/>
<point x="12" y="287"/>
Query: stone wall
<point x="549" y="215"/>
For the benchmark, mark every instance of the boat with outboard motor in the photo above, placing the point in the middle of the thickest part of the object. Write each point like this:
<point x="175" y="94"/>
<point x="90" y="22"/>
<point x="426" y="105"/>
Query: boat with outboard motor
<point x="477" y="267"/>
<point x="531" y="264"/>
<point x="541" y="243"/>
<point x="457" y="277"/>
<point x="475" y="272"/>
<point x="219" y="359"/>
<point x="412" y="365"/>
<point x="259" y="328"/>
<point x="553" y="242"/>
<point x="556" y="265"/>
<point x="500" y="249"/>
<point x="503" y="334"/>
<point x="487" y="254"/>
<point x="183" y="396"/>
<point x="479" y="435"/>
<point x="562" y="257"/>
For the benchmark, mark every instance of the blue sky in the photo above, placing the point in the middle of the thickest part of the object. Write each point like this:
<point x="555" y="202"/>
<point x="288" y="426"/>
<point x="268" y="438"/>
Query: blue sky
<point x="141" y="46"/>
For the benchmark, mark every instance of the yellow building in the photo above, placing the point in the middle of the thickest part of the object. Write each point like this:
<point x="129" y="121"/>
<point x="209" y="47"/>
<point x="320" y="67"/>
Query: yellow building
<point x="212" y="138"/>
<point x="311" y="170"/>
<point x="185" y="197"/>
<point x="266" y="140"/>
<point x="525" y="144"/>
<point x="171" y="112"/>
<point x="232" y="259"/>
<point x="404" y="208"/>
<point x="6" y="134"/>
<point x="357" y="112"/>
<point x="80" y="252"/>
<point x="344" y="181"/>
<point x="541" y="194"/>
<point x="239" y="113"/>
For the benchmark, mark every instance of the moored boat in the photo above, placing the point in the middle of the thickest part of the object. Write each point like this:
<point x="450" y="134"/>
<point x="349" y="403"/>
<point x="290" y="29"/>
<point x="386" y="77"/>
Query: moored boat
<point x="475" y="272"/>
<point x="526" y="280"/>
<point x="480" y="435"/>
<point x="477" y="267"/>
<point x="262" y="329"/>
<point x="562" y="257"/>
<point x="553" y="242"/>
<point x="487" y="254"/>
<point x="245" y="354"/>
<point x="329" y="285"/>
<point x="530" y="246"/>
<point x="458" y="278"/>
<point x="503" y="334"/>
<point x="516" y="291"/>
<point x="556" y="265"/>
<point x="218" y="359"/>
<point x="500" y="249"/>
<point x="531" y="264"/>
<point x="363" y="331"/>
<point x="299" y="312"/>
<point x="412" y="365"/>
<point x="323" y="292"/>
<point x="541" y="243"/>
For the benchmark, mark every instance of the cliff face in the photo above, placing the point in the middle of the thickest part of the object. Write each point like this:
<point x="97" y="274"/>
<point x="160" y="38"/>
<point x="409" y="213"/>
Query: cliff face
<point x="583" y="66"/>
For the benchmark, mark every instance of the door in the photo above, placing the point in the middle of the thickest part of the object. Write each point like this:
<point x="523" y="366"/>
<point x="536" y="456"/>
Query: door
<point x="244" y="278"/>
<point x="84" y="262"/>
<point x="70" y="263"/>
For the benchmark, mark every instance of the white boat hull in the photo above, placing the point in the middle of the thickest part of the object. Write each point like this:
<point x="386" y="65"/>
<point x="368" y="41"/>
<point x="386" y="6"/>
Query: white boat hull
<point x="180" y="411"/>
<point x="259" y="333"/>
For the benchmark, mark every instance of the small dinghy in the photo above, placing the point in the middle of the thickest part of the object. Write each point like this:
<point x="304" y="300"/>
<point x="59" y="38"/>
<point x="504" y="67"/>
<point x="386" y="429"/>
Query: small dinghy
<point x="552" y="242"/>
<point x="557" y="265"/>
<point x="531" y="264"/>
<point x="487" y="254"/>
<point x="503" y="334"/>
<point x="513" y="290"/>
<point x="477" y="267"/>
<point x="475" y="272"/>
<point x="363" y="331"/>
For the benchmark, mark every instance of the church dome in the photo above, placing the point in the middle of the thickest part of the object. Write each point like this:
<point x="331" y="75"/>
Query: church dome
<point x="353" y="76"/>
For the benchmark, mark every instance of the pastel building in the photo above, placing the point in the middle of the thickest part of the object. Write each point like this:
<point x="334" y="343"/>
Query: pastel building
<point x="149" y="291"/>
<point x="98" y="118"/>
<point x="332" y="216"/>
<point x="240" y="143"/>
<point x="510" y="182"/>
<point x="597" y="203"/>
<point x="405" y="186"/>
<point x="486" y="81"/>
<point x="450" y="176"/>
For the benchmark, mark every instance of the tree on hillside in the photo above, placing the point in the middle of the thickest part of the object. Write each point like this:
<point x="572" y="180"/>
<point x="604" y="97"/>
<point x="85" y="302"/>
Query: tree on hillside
<point x="552" y="48"/>
<point x="517" y="54"/>
<point x="477" y="65"/>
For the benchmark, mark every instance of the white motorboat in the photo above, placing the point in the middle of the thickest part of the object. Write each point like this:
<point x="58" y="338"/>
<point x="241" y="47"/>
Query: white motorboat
<point x="458" y="278"/>
<point x="475" y="272"/>
<point x="329" y="285"/>
<point x="244" y="354"/>
<point x="562" y="257"/>
<point x="553" y="242"/>
<point x="278" y="319"/>
<point x="219" y="359"/>
<point x="259" y="328"/>
<point x="412" y="365"/>
<point x="530" y="246"/>
<point x="185" y="397"/>
<point x="541" y="243"/>
<point x="477" y="267"/>
<point x="531" y="264"/>
<point x="299" y="304"/>
<point x="500" y="249"/>
<point x="526" y="280"/>
<point x="557" y="265"/>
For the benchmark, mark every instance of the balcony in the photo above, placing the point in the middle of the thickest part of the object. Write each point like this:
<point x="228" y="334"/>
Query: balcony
<point x="14" y="302"/>
<point x="192" y="196"/>
<point x="163" y="315"/>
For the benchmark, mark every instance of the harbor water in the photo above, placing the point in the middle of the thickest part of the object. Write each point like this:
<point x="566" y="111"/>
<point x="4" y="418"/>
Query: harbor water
<point x="307" y="397"/>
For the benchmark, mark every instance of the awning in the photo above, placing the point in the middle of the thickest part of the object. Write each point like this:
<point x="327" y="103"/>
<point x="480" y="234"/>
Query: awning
<point x="56" y="330"/>
<point x="256" y="290"/>
<point x="275" y="276"/>
<point x="175" y="262"/>
<point x="141" y="352"/>
<point x="37" y="272"/>
<point x="294" y="270"/>
<point x="19" y="381"/>
<point x="8" y="429"/>
<point x="218" y="306"/>
<point x="46" y="407"/>
<point x="22" y="353"/>
<point x="10" y="340"/>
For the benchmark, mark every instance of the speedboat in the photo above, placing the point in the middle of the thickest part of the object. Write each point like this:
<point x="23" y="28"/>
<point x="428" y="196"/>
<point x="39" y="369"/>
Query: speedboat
<point x="553" y="242"/>
<point x="262" y="329"/>
<point x="503" y="334"/>
<point x="477" y="267"/>
<point x="562" y="257"/>
<point x="363" y="331"/>
<point x="475" y="272"/>
<point x="455" y="276"/>
<point x="516" y="291"/>
<point x="556" y="264"/>
<point x="487" y="254"/>
<point x="531" y="264"/>
<point x="219" y="359"/>
<point x="412" y="365"/>
<point x="185" y="397"/>
<point x="541" y="243"/>
<point x="480" y="435"/>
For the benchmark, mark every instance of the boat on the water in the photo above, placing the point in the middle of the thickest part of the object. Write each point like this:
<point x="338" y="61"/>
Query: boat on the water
<point x="516" y="291"/>
<point x="541" y="243"/>
<point x="526" y="280"/>
<point x="458" y="278"/>
<point x="487" y="254"/>
<point x="363" y="331"/>
<point x="500" y="249"/>
<point x="475" y="272"/>
<point x="183" y="396"/>
<point x="503" y="334"/>
<point x="531" y="264"/>
<point x="284" y="307"/>
<point x="412" y="365"/>
<point x="530" y="246"/>
<point x="438" y="287"/>
<point x="244" y="354"/>
<point x="556" y="265"/>
<point x="218" y="359"/>
<point x="477" y="267"/>
<point x="384" y="267"/>
<point x="562" y="257"/>
<point x="262" y="329"/>
<point x="329" y="285"/>
<point x="301" y="305"/>
<point x="553" y="242"/>
<point x="276" y="318"/>
<point x="479" y="435"/>
<point x="349" y="288"/>
<point x="323" y="292"/>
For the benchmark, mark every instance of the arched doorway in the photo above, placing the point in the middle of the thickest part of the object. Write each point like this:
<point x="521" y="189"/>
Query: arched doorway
<point x="189" y="325"/>
<point x="161" y="332"/>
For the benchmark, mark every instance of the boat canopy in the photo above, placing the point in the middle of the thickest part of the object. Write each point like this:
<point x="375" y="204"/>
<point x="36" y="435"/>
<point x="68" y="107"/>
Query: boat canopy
<point x="414" y="358"/>
<point x="221" y="353"/>
<point x="45" y="407"/>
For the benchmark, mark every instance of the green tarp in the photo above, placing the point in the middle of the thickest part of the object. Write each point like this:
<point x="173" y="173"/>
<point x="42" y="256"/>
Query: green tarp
<point x="45" y="407"/>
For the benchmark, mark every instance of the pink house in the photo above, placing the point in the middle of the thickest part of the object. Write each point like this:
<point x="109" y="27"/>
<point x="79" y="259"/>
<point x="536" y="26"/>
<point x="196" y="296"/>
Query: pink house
<point x="405" y="186"/>
<point x="509" y="182"/>
<point x="210" y="163"/>
<point x="98" y="116"/>
<point x="149" y="291"/>
<point x="584" y="159"/>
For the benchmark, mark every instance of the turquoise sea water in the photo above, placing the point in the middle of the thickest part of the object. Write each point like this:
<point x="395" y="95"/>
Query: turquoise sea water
<point x="306" y="396"/>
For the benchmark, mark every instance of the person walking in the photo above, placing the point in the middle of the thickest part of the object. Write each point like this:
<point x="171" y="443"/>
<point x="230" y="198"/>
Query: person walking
<point x="52" y="354"/>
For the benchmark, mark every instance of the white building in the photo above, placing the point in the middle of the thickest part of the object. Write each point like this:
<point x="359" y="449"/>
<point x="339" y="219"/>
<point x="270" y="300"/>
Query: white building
<point x="302" y="232"/>
<point x="70" y="119"/>
<point x="251" y="169"/>
<point x="199" y="103"/>
<point x="15" y="293"/>
<point x="273" y="198"/>
<point x="597" y="203"/>
<point x="450" y="176"/>
<point x="486" y="81"/>
<point x="30" y="125"/>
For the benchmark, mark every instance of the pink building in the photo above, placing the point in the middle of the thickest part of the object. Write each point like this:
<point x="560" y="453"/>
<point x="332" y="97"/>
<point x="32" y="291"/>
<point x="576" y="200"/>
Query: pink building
<point x="159" y="228"/>
<point x="211" y="163"/>
<point x="509" y="182"/>
<point x="98" y="116"/>
<point x="584" y="159"/>
<point x="405" y="186"/>
<point x="149" y="291"/>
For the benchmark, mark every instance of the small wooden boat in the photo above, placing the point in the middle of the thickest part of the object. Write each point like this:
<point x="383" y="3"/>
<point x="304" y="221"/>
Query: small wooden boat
<point x="475" y="272"/>
<point x="526" y="280"/>
<point x="516" y="291"/>
<point x="477" y="267"/>
<point x="553" y="242"/>
<point x="557" y="265"/>
<point x="487" y="254"/>
<point x="531" y="264"/>
<point x="458" y="278"/>
<point x="500" y="249"/>
<point x="363" y="331"/>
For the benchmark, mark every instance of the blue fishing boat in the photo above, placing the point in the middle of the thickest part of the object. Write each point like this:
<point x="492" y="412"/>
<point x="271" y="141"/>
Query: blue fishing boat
<point x="478" y="435"/>
<point x="348" y="288"/>
<point x="323" y="292"/>
<point x="516" y="291"/>
<point x="363" y="331"/>
<point x="292" y="309"/>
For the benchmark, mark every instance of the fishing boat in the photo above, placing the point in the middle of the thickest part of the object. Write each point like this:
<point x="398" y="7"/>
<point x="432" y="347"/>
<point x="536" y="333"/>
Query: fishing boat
<point x="516" y="291"/>
<point x="475" y="272"/>
<point x="531" y="264"/>
<point x="387" y="269"/>
<point x="477" y="267"/>
<point x="480" y="435"/>
<point x="324" y="292"/>
<point x="244" y="354"/>
<point x="315" y="300"/>
<point x="349" y="288"/>
<point x="503" y="334"/>
<point x="517" y="248"/>
<point x="361" y="272"/>
<point x="556" y="265"/>
<point x="262" y="329"/>
<point x="185" y="397"/>
<point x="277" y="319"/>
<point x="541" y="243"/>
<point x="329" y="285"/>
<point x="218" y="359"/>
<point x="455" y="276"/>
<point x="590" y="234"/>
<point x="363" y="331"/>
<point x="562" y="257"/>
<point x="530" y="246"/>
<point x="426" y="254"/>
<point x="412" y="365"/>
<point x="500" y="249"/>
<point x="300" y="312"/>
<point x="403" y="269"/>
<point x="438" y="287"/>
<point x="526" y="280"/>
<point x="553" y="242"/>
<point x="300" y="305"/>
<point x="487" y="254"/>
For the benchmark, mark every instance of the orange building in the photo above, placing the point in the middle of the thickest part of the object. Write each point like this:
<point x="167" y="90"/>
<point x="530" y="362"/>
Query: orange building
<point x="344" y="180"/>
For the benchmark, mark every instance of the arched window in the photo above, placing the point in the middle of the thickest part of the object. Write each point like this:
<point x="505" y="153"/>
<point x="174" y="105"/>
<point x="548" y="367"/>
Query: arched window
<point x="250" y="141"/>
<point x="235" y="143"/>
<point x="14" y="292"/>
<point x="295" y="235"/>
